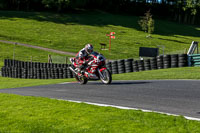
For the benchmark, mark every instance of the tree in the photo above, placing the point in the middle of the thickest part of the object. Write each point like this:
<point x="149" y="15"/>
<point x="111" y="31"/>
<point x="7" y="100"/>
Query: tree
<point x="191" y="7"/>
<point x="59" y="5"/>
<point x="147" y="23"/>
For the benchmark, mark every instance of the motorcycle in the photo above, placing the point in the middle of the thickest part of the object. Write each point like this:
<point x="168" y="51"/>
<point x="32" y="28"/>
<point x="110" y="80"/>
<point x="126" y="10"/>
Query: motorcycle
<point x="94" y="70"/>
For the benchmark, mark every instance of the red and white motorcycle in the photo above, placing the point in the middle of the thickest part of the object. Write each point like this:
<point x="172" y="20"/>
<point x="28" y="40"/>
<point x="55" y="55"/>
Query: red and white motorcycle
<point x="95" y="69"/>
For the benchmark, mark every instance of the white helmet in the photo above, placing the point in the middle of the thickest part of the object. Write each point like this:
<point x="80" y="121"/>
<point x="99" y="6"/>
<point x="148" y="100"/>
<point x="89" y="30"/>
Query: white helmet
<point x="89" y="48"/>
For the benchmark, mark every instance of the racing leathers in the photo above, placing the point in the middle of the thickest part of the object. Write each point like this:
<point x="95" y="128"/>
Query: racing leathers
<point x="81" y="58"/>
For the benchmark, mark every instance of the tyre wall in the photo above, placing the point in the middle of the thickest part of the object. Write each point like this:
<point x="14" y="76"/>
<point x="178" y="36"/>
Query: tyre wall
<point x="159" y="62"/>
<point x="37" y="70"/>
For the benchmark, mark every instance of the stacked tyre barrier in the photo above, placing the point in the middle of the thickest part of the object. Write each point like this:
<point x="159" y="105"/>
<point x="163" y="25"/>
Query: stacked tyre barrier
<point x="174" y="61"/>
<point x="121" y="66"/>
<point x="141" y="65"/>
<point x="147" y="65"/>
<point x="128" y="65"/>
<point x="153" y="63"/>
<point x="182" y="60"/>
<point x="114" y="67"/>
<point x="167" y="61"/>
<point x="135" y="66"/>
<point x="159" y="62"/>
<point x="35" y="70"/>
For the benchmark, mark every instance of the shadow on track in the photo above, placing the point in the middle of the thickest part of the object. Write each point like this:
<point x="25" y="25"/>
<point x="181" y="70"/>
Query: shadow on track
<point x="127" y="83"/>
<point x="118" y="83"/>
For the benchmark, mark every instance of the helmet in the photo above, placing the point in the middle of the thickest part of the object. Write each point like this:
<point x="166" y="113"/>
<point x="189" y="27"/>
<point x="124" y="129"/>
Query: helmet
<point x="89" y="48"/>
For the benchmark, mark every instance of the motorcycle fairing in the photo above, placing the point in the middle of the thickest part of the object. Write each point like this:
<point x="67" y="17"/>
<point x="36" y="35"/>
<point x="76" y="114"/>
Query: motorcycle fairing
<point x="103" y="68"/>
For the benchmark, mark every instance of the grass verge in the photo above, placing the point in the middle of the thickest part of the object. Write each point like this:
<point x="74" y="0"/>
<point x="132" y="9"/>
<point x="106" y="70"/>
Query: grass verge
<point x="31" y="114"/>
<point x="70" y="32"/>
<point x="15" y="83"/>
<point x="8" y="51"/>
<point x="172" y="73"/>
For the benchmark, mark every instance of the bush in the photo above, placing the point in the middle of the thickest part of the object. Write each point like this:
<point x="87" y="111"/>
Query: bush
<point x="147" y="23"/>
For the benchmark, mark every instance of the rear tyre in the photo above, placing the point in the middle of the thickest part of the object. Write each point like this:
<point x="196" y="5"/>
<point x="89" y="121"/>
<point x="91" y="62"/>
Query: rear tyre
<point x="107" y="78"/>
<point x="82" y="80"/>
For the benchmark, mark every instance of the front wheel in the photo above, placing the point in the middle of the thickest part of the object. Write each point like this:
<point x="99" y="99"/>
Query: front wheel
<point x="82" y="80"/>
<point x="106" y="77"/>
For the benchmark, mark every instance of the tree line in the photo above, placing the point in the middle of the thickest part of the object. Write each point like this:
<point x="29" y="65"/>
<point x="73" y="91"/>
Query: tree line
<point x="182" y="11"/>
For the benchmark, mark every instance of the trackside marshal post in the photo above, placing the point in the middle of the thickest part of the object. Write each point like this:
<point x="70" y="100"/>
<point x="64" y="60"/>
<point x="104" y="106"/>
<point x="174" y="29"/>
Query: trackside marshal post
<point x="111" y="35"/>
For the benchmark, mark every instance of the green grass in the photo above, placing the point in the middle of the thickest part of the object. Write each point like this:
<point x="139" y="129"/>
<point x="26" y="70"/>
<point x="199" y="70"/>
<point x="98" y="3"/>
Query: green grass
<point x="1" y="64"/>
<point x="70" y="32"/>
<point x="14" y="82"/>
<point x="172" y="73"/>
<point x="26" y="54"/>
<point x="44" y="115"/>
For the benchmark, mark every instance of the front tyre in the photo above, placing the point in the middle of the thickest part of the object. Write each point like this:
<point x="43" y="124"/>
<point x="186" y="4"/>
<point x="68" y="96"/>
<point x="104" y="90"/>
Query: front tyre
<point x="106" y="77"/>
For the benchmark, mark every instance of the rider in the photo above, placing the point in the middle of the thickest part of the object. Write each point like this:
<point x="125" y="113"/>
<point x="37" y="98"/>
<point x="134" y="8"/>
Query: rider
<point x="82" y="55"/>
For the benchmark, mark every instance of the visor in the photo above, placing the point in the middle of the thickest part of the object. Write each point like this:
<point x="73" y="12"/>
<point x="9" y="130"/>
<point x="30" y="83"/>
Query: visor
<point x="90" y="50"/>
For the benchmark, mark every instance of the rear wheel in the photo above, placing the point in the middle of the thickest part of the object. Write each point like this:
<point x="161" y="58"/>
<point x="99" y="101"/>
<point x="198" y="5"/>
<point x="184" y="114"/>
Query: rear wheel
<point x="82" y="80"/>
<point x="106" y="77"/>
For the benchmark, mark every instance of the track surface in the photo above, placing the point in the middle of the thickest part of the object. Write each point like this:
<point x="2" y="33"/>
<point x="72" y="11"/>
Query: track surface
<point x="181" y="97"/>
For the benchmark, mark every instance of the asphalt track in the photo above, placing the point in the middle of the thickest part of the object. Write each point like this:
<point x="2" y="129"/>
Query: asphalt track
<point x="181" y="97"/>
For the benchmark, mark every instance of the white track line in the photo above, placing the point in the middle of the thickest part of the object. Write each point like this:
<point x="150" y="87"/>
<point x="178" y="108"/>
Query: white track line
<point x="63" y="83"/>
<point x="128" y="108"/>
<point x="67" y="83"/>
